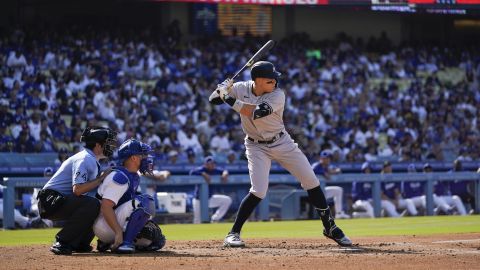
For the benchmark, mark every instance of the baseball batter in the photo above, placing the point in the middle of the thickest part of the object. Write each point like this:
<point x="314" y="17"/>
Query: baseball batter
<point x="260" y="104"/>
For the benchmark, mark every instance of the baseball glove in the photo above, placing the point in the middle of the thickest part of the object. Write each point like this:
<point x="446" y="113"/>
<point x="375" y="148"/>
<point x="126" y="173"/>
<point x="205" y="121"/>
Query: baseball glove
<point x="153" y="233"/>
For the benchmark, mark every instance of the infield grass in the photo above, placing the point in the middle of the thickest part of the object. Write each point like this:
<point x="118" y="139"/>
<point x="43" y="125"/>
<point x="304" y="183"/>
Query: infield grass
<point x="284" y="229"/>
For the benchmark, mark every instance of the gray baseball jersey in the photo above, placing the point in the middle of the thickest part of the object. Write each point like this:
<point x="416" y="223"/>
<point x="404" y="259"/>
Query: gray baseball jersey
<point x="77" y="169"/>
<point x="283" y="149"/>
<point x="266" y="127"/>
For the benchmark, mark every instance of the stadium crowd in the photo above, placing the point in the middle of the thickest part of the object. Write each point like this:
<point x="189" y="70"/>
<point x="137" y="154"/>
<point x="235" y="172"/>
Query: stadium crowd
<point x="365" y="100"/>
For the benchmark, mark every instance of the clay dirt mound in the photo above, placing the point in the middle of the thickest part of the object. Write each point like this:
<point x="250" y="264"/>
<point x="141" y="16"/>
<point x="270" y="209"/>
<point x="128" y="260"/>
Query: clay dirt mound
<point x="458" y="251"/>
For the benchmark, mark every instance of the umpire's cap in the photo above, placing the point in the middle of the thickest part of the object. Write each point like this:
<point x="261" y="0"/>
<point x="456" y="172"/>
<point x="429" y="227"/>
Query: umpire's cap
<point x="264" y="69"/>
<point x="102" y="135"/>
<point x="133" y="147"/>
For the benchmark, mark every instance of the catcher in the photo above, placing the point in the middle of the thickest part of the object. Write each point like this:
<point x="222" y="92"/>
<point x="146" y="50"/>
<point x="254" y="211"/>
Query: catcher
<point x="124" y="224"/>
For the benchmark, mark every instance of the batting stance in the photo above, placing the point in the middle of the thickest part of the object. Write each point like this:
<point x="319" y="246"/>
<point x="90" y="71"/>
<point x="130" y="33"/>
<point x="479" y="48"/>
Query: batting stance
<point x="260" y="104"/>
<point x="124" y="223"/>
<point x="65" y="196"/>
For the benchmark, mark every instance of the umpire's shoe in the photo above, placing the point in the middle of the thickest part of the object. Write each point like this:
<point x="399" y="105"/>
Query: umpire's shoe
<point x="102" y="247"/>
<point x="233" y="240"/>
<point x="61" y="249"/>
<point x="338" y="236"/>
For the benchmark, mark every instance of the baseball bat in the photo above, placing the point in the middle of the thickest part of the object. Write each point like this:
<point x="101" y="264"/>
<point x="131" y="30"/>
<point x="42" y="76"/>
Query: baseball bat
<point x="261" y="52"/>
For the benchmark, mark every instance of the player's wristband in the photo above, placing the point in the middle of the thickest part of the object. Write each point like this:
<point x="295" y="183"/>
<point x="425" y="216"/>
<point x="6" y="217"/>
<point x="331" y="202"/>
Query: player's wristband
<point x="234" y="103"/>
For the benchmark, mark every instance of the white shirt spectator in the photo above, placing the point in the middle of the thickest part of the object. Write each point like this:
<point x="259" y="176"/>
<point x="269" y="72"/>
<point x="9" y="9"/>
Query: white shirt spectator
<point x="35" y="129"/>
<point x="220" y="143"/>
<point x="107" y="111"/>
<point x="189" y="142"/>
<point x="16" y="61"/>
<point x="299" y="90"/>
<point x="361" y="138"/>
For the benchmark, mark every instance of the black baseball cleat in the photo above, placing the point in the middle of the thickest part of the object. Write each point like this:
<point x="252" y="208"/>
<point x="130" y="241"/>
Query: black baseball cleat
<point x="61" y="249"/>
<point x="102" y="247"/>
<point x="338" y="236"/>
<point x="83" y="249"/>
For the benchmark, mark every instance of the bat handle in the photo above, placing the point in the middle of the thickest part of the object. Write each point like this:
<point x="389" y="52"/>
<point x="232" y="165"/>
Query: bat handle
<point x="240" y="71"/>
<point x="236" y="74"/>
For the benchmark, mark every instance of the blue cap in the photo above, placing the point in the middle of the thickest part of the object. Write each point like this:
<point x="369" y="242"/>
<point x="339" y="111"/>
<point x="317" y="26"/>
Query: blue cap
<point x="48" y="170"/>
<point x="326" y="154"/>
<point x="411" y="168"/>
<point x="190" y="152"/>
<point x="208" y="159"/>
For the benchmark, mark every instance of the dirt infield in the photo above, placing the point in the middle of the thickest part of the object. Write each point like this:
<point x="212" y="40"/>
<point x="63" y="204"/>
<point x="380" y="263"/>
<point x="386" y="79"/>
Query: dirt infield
<point x="459" y="251"/>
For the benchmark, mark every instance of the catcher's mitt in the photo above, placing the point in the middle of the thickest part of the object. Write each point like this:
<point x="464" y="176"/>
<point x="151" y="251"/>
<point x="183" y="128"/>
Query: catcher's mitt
<point x="152" y="233"/>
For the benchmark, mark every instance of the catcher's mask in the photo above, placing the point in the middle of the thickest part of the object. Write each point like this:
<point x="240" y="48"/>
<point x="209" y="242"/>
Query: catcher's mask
<point x="133" y="147"/>
<point x="104" y="136"/>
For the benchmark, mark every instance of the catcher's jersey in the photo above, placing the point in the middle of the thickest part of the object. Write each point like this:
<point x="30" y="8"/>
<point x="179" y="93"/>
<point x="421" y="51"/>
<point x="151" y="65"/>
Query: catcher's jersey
<point x="266" y="127"/>
<point x="119" y="186"/>
<point x="78" y="169"/>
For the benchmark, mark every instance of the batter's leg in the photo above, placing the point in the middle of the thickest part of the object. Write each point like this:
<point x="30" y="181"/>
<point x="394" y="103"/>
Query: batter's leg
<point x="259" y="163"/>
<point x="294" y="161"/>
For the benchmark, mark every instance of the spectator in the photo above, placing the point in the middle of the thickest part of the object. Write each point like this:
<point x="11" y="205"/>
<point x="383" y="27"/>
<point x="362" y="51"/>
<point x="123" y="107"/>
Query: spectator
<point x="220" y="142"/>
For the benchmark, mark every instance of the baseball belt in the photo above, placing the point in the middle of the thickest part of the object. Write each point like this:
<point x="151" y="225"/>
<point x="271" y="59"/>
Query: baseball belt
<point x="274" y="139"/>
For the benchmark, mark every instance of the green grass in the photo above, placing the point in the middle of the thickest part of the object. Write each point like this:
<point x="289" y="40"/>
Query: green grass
<point x="284" y="229"/>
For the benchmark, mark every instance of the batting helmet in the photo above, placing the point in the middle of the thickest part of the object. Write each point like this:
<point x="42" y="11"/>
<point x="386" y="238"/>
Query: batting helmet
<point x="264" y="69"/>
<point x="133" y="147"/>
<point x="106" y="137"/>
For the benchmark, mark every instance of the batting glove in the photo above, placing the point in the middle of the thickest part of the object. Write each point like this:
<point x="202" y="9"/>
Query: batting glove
<point x="224" y="88"/>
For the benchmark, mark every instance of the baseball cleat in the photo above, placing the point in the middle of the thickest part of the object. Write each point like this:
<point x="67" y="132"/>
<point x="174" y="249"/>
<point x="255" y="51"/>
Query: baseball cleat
<point x="60" y="248"/>
<point x="125" y="249"/>
<point x="233" y="240"/>
<point x="338" y="236"/>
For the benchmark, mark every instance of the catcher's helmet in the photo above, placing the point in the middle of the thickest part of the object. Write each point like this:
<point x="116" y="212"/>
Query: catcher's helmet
<point x="264" y="69"/>
<point x="133" y="147"/>
<point x="106" y="137"/>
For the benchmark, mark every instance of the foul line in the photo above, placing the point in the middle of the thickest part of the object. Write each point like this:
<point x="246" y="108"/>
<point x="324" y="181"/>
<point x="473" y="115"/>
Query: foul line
<point x="456" y="241"/>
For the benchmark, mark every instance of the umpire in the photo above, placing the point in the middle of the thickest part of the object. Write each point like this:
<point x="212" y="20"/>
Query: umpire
<point x="65" y="196"/>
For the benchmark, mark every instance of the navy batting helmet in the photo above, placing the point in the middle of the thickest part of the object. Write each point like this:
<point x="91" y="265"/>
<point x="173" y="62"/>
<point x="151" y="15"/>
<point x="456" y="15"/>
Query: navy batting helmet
<point x="106" y="137"/>
<point x="133" y="147"/>
<point x="264" y="69"/>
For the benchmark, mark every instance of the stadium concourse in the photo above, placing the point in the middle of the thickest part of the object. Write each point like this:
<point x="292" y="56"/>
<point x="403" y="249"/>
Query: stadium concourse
<point x="366" y="100"/>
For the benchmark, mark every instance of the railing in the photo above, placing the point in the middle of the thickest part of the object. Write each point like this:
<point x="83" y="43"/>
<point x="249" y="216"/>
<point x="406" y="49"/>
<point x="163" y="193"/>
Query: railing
<point x="178" y="180"/>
